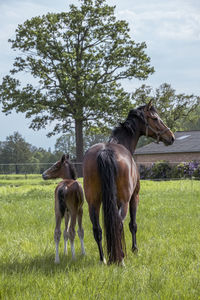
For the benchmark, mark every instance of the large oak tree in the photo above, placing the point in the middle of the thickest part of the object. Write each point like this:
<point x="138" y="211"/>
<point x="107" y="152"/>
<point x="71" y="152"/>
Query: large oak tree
<point x="79" y="59"/>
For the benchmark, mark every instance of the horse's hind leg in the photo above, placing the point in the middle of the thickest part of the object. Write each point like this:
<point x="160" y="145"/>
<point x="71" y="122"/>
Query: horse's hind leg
<point x="72" y="233"/>
<point x="57" y="234"/>
<point x="80" y="230"/>
<point x="133" y="225"/>
<point x="97" y="231"/>
<point x="65" y="233"/>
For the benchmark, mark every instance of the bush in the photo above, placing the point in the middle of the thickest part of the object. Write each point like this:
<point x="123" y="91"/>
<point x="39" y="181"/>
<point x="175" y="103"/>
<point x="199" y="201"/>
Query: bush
<point x="144" y="172"/>
<point x="163" y="170"/>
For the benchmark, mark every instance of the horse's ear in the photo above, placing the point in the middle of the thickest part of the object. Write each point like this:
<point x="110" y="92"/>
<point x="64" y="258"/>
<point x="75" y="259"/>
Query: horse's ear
<point x="149" y="105"/>
<point x="67" y="156"/>
<point x="63" y="159"/>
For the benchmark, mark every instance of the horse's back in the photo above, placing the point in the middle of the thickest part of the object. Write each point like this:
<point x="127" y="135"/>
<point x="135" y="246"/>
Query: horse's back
<point x="126" y="178"/>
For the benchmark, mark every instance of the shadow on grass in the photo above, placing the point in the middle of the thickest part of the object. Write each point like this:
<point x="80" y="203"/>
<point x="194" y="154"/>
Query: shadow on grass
<point x="45" y="264"/>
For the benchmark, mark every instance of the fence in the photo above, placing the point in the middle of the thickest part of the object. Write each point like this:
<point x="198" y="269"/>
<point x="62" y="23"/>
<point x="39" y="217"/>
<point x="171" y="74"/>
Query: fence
<point x="32" y="168"/>
<point x="159" y="170"/>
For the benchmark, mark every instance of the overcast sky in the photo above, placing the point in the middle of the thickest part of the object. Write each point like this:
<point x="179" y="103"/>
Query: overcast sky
<point x="170" y="28"/>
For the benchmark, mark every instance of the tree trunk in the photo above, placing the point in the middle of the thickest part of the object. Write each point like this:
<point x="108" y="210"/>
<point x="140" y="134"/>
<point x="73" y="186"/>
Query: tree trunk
<point x="79" y="146"/>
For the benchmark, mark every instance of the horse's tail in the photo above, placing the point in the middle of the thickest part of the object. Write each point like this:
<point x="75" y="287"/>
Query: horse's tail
<point x="112" y="222"/>
<point x="61" y="201"/>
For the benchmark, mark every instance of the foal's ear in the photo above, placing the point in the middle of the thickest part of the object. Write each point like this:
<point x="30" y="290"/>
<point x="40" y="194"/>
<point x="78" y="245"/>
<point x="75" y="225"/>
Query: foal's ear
<point x="63" y="159"/>
<point x="67" y="156"/>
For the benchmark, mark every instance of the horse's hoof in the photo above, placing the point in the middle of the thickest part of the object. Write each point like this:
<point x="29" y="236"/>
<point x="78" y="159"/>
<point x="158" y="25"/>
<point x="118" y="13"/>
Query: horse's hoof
<point x="122" y="263"/>
<point x="57" y="261"/>
<point x="135" y="250"/>
<point x="103" y="262"/>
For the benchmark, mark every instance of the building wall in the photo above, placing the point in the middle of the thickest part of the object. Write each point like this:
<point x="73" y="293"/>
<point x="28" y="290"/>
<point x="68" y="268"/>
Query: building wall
<point x="173" y="158"/>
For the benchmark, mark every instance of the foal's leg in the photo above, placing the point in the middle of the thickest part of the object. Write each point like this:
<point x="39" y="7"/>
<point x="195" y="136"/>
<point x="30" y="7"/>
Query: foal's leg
<point x="80" y="229"/>
<point x="132" y="225"/>
<point x="72" y="233"/>
<point x="57" y="234"/>
<point x="65" y="233"/>
<point x="97" y="231"/>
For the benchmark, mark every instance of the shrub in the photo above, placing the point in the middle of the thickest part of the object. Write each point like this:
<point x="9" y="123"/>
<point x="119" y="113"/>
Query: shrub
<point x="163" y="170"/>
<point x="160" y="169"/>
<point x="144" y="172"/>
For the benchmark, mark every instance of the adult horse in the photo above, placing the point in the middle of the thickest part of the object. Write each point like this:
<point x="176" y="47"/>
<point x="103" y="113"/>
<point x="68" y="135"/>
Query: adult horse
<point x="68" y="203"/>
<point x="111" y="177"/>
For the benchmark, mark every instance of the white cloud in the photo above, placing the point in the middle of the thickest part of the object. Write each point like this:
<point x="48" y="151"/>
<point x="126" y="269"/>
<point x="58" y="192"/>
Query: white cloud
<point x="164" y="21"/>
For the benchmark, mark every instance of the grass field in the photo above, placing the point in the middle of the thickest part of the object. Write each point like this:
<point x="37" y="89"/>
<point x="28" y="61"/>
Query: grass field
<point x="167" y="265"/>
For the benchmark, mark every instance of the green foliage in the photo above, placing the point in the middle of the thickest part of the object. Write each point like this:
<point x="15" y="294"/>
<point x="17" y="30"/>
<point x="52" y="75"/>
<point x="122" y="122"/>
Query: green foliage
<point x="18" y="156"/>
<point x="79" y="58"/>
<point x="163" y="169"/>
<point x="166" y="266"/>
<point x="174" y="109"/>
<point x="66" y="143"/>
<point x="15" y="150"/>
<point x="193" y="120"/>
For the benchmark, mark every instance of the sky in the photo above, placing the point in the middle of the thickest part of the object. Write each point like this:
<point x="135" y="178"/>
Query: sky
<point x="170" y="28"/>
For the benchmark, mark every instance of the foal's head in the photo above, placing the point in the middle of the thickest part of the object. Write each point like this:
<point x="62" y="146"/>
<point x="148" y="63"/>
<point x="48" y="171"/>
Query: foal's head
<point x="61" y="169"/>
<point x="154" y="126"/>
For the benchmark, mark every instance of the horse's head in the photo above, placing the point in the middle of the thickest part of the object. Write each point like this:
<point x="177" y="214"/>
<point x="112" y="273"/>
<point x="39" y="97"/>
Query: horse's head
<point x="154" y="126"/>
<point x="61" y="169"/>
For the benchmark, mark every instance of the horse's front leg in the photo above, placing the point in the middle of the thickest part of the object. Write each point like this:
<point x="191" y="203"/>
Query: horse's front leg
<point x="97" y="231"/>
<point x="133" y="225"/>
<point x="65" y="233"/>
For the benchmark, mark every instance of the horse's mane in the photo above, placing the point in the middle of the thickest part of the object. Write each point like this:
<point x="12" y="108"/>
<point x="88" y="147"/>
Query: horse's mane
<point x="130" y="124"/>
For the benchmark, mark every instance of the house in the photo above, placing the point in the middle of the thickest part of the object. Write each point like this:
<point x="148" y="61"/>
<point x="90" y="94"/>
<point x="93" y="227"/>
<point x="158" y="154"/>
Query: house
<point x="185" y="148"/>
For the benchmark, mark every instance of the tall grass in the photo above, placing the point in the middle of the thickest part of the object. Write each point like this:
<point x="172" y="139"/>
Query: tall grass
<point x="167" y="265"/>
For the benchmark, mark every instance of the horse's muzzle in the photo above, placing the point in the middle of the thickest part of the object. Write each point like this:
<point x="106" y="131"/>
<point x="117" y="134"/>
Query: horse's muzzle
<point x="44" y="176"/>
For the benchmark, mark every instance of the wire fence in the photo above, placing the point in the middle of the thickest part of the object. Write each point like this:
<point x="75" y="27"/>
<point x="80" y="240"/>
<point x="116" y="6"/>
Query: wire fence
<point x="29" y="168"/>
<point x="160" y="170"/>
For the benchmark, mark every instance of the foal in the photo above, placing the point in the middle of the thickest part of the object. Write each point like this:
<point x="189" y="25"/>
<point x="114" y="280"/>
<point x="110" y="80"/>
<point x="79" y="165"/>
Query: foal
<point x="68" y="203"/>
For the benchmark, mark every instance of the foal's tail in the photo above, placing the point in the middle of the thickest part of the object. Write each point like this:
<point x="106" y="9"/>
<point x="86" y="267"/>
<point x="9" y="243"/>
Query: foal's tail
<point x="112" y="222"/>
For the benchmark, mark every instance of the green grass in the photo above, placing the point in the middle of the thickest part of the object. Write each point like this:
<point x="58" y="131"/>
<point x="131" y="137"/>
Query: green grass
<point x="167" y="265"/>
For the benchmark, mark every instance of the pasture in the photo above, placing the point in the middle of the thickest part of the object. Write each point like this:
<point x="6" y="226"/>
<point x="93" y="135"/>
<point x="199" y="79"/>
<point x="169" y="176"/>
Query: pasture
<point x="167" y="265"/>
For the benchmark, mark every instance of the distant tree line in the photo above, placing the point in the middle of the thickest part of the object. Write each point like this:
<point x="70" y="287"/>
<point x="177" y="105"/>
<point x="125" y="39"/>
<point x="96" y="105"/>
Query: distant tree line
<point x="18" y="156"/>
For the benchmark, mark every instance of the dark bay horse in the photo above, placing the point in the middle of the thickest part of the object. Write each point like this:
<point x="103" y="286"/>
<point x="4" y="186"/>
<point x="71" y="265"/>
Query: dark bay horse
<point x="111" y="178"/>
<point x="68" y="203"/>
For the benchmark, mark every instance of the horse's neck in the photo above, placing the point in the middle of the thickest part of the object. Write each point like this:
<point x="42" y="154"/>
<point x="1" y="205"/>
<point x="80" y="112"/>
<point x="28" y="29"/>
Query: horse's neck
<point x="128" y="141"/>
<point x="67" y="174"/>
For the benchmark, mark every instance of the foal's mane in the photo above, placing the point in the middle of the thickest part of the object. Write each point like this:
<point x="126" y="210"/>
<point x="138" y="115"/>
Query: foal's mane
<point x="72" y="170"/>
